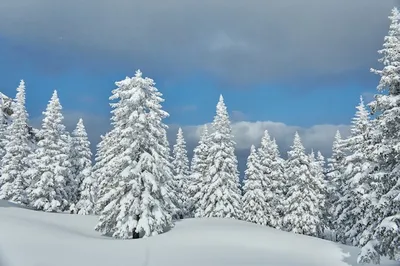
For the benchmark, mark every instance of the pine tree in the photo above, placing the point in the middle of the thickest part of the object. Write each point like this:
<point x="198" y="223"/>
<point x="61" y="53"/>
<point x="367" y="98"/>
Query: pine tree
<point x="336" y="184"/>
<point x="383" y="218"/>
<point x="180" y="165"/>
<point x="222" y="195"/>
<point x="254" y="209"/>
<point x="198" y="177"/>
<point x="272" y="168"/>
<point x="3" y="137"/>
<point x="82" y="170"/>
<point x="136" y="203"/>
<point x="49" y="173"/>
<point x="303" y="213"/>
<point x="103" y="170"/>
<point x="13" y="183"/>
<point x="351" y="207"/>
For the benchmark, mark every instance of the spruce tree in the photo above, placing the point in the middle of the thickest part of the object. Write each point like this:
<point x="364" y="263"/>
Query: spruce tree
<point x="383" y="220"/>
<point x="82" y="170"/>
<point x="136" y="203"/>
<point x="272" y="168"/>
<point x="303" y="214"/>
<point x="103" y="170"/>
<point x="221" y="192"/>
<point x="49" y="190"/>
<point x="198" y="177"/>
<point x="352" y="206"/>
<point x="13" y="182"/>
<point x="335" y="182"/>
<point x="254" y="202"/>
<point x="180" y="165"/>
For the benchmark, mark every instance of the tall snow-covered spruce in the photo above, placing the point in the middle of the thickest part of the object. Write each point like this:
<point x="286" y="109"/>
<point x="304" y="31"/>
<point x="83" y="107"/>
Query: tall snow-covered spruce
<point x="198" y="177"/>
<point x="303" y="212"/>
<point x="385" y="219"/>
<point x="335" y="181"/>
<point x="254" y="202"/>
<point x="136" y="203"/>
<point x="13" y="182"/>
<point x="221" y="192"/>
<point x="273" y="180"/>
<point x="352" y="206"/>
<point x="82" y="170"/>
<point x="49" y="174"/>
<point x="180" y="165"/>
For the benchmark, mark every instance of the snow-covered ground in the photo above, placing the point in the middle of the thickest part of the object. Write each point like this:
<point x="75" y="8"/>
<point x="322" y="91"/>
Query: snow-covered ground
<point x="48" y="239"/>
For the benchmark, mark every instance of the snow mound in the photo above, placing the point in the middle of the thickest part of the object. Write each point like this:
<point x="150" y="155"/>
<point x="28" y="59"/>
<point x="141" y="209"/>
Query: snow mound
<point x="35" y="238"/>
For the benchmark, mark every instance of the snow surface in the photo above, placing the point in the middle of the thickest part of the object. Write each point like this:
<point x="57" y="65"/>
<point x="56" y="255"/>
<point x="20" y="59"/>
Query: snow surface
<point x="36" y="238"/>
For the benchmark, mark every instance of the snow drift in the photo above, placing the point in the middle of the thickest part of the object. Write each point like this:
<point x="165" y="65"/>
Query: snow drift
<point x="35" y="238"/>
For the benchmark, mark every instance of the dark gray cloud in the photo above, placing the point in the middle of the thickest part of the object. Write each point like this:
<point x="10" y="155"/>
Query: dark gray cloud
<point x="234" y="41"/>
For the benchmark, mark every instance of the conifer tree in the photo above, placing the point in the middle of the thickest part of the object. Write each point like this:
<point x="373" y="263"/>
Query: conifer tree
<point x="198" y="177"/>
<point x="352" y="206"/>
<point x="15" y="162"/>
<point x="180" y="165"/>
<point x="335" y="182"/>
<point x="136" y="203"/>
<point x="82" y="170"/>
<point x="383" y="218"/>
<point x="254" y="201"/>
<point x="49" y="191"/>
<point x="274" y="186"/>
<point x="222" y="195"/>
<point x="303" y="214"/>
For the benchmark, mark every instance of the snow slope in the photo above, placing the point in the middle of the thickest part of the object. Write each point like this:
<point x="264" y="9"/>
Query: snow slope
<point x="49" y="239"/>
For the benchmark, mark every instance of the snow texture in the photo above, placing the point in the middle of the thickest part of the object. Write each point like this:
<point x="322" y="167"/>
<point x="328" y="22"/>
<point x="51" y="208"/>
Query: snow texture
<point x="26" y="234"/>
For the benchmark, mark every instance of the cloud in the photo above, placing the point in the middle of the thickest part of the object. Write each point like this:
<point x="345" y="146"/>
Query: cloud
<point x="237" y="41"/>
<point x="238" y="116"/>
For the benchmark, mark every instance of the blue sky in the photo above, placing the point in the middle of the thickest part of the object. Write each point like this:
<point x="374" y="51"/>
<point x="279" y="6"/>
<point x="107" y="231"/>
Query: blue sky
<point x="302" y="75"/>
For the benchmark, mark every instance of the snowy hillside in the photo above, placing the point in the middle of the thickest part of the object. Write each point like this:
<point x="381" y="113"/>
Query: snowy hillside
<point x="48" y="239"/>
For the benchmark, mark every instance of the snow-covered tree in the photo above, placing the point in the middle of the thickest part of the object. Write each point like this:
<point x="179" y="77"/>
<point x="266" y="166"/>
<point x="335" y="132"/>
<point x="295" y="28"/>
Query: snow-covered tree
<point x="49" y="173"/>
<point x="351" y="207"/>
<point x="303" y="214"/>
<point x="198" y="177"/>
<point x="180" y="165"/>
<point x="254" y="201"/>
<point x="3" y="135"/>
<point x="384" y="221"/>
<point x="335" y="182"/>
<point x="317" y="166"/>
<point x="136" y="203"/>
<point x="103" y="169"/>
<point x="15" y="162"/>
<point x="82" y="170"/>
<point x="222" y="195"/>
<point x="273" y="180"/>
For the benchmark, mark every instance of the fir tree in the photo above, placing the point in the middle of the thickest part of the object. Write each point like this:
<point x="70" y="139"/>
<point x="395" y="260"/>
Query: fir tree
<point x="180" y="165"/>
<point x="383" y="220"/>
<point x="198" y="177"/>
<point x="351" y="207"/>
<point x="336" y="184"/>
<point x="221" y="192"/>
<point x="49" y="191"/>
<point x="272" y="168"/>
<point x="254" y="209"/>
<point x="15" y="162"/>
<point x="303" y="213"/>
<point x="137" y="203"/>
<point x="103" y="169"/>
<point x="82" y="169"/>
